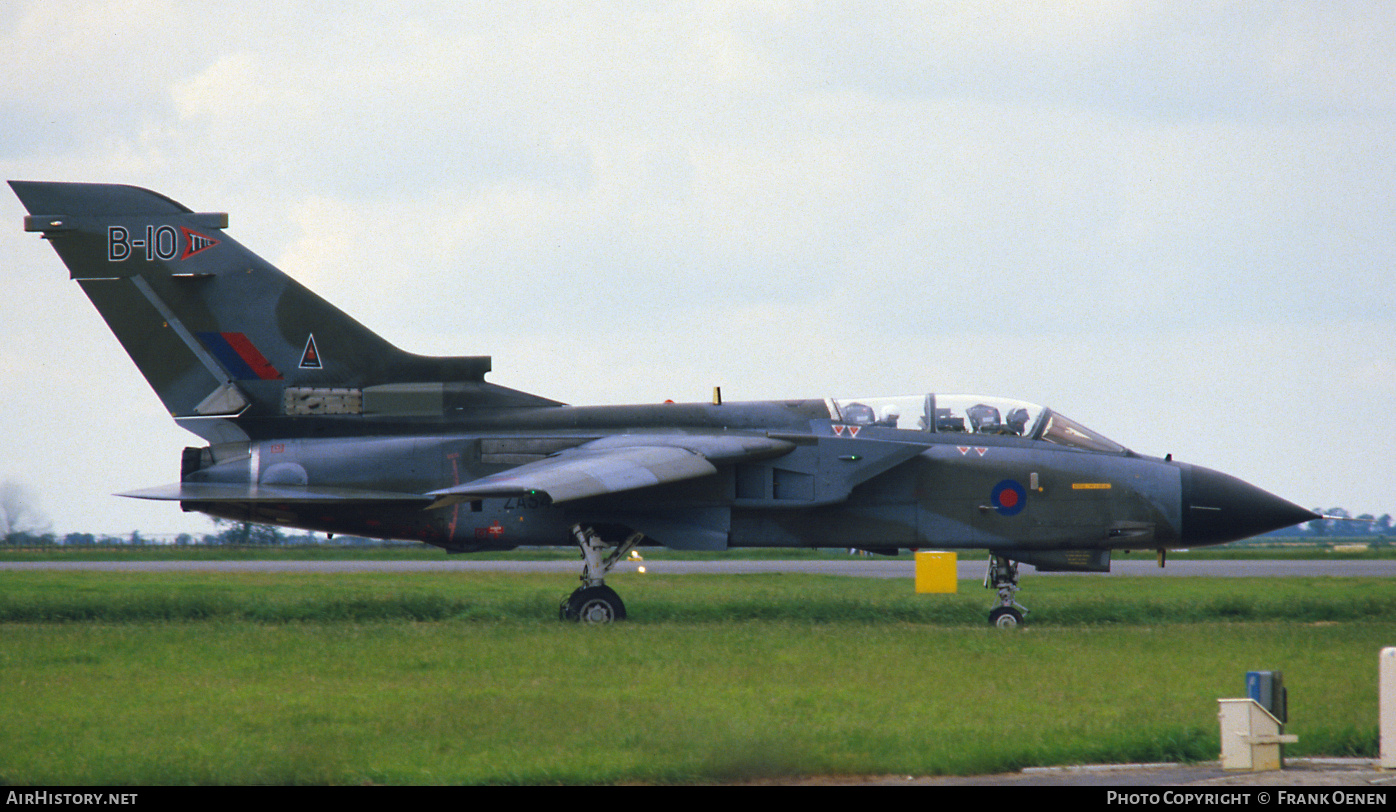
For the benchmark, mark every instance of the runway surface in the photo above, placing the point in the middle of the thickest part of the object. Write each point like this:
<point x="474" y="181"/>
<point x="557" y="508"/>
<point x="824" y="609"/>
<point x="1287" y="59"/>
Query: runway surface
<point x="902" y="567"/>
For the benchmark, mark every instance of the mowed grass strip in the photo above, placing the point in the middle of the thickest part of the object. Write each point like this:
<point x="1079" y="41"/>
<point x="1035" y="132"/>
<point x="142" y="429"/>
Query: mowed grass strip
<point x="40" y="596"/>
<point x="702" y="686"/>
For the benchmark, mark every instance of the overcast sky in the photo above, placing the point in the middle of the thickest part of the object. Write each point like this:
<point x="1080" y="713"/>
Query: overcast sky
<point x="1173" y="222"/>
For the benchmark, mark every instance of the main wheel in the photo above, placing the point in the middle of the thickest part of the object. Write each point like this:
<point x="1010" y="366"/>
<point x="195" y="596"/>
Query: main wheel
<point x="1005" y="617"/>
<point x="593" y="604"/>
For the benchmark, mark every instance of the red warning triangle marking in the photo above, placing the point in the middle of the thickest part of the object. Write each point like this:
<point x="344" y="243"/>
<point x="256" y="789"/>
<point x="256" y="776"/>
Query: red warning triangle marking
<point x="853" y="430"/>
<point x="310" y="359"/>
<point x="837" y="429"/>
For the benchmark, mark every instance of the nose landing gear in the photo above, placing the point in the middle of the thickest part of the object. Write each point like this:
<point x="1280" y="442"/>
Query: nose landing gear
<point x="1003" y="576"/>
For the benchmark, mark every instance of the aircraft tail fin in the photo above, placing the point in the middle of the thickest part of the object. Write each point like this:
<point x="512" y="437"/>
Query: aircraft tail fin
<point x="221" y="333"/>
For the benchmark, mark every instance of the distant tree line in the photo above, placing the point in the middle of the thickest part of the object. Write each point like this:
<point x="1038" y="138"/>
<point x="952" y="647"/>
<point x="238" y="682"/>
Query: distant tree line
<point x="230" y="534"/>
<point x="1343" y="525"/>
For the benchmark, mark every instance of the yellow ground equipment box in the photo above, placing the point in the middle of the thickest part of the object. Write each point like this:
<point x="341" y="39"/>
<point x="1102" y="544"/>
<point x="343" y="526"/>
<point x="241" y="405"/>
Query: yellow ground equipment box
<point x="935" y="573"/>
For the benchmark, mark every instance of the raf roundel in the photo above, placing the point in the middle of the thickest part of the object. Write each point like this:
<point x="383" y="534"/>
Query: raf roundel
<point x="1009" y="497"/>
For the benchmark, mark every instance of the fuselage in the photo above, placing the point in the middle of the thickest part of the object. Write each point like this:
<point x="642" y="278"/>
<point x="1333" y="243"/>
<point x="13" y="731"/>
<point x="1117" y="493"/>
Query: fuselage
<point x="878" y="487"/>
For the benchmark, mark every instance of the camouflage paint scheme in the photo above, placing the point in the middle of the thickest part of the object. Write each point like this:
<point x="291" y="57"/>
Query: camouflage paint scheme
<point x="313" y="421"/>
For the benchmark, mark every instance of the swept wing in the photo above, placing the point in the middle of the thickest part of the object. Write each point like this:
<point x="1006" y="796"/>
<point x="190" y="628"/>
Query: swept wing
<point x="615" y="464"/>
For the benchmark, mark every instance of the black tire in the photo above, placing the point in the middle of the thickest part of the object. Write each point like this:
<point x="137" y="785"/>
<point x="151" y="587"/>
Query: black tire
<point x="1005" y="617"/>
<point x="593" y="604"/>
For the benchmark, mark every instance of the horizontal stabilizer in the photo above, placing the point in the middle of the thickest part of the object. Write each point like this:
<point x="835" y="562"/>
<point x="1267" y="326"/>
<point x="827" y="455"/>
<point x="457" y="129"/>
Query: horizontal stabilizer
<point x="225" y="492"/>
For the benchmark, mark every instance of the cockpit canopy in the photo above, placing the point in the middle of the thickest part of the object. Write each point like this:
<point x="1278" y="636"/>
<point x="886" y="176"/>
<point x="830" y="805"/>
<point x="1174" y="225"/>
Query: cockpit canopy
<point x="971" y="414"/>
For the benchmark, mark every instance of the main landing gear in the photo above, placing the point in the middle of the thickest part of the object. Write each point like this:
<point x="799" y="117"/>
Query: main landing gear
<point x="1003" y="576"/>
<point x="593" y="601"/>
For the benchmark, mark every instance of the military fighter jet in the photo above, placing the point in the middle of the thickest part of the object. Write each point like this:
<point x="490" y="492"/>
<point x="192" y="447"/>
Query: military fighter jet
<point x="313" y="421"/>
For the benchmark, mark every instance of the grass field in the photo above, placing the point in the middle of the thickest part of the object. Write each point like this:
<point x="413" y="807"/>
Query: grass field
<point x="288" y="678"/>
<point x="1334" y="548"/>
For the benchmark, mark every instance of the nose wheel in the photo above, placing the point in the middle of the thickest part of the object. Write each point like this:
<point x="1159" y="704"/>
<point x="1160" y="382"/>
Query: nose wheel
<point x="1005" y="617"/>
<point x="593" y="601"/>
<point x="1003" y="576"/>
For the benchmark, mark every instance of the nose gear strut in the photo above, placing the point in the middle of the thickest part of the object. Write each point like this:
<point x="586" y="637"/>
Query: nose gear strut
<point x="1003" y="576"/>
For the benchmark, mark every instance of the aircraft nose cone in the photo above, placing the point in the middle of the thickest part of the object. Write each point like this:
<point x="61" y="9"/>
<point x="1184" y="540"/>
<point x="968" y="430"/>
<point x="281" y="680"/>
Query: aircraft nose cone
<point x="1218" y="508"/>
